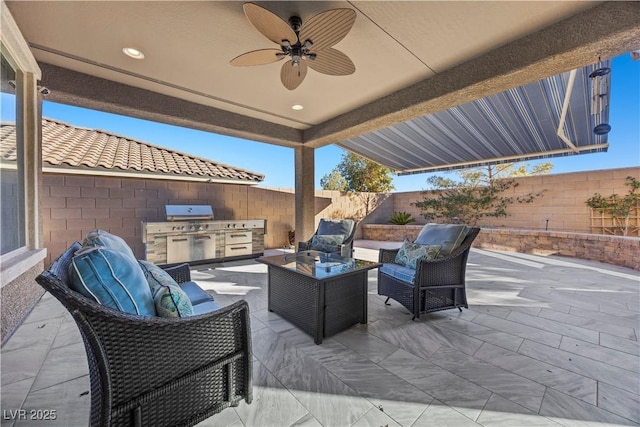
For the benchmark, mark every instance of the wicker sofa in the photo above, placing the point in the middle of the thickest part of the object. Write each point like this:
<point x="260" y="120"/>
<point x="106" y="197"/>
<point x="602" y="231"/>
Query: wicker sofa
<point x="154" y="371"/>
<point x="435" y="284"/>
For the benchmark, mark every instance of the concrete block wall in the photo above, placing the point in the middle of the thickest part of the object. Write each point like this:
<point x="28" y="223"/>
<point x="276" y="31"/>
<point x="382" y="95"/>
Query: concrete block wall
<point x="562" y="202"/>
<point x="73" y="205"/>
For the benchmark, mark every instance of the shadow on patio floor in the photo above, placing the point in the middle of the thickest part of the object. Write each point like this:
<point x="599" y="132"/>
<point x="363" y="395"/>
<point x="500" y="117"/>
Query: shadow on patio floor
<point x="546" y="341"/>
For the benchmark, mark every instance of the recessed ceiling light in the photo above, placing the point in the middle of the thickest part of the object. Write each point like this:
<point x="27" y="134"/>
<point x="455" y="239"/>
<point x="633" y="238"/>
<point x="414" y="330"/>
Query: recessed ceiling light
<point x="133" y="53"/>
<point x="297" y="107"/>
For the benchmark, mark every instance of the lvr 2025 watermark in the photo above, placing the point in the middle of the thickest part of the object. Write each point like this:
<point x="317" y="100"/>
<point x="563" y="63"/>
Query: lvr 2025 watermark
<point x="29" y="414"/>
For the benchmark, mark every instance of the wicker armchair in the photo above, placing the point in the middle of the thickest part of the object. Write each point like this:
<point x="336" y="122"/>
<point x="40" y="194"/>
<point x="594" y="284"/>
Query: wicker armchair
<point x="345" y="227"/>
<point x="148" y="371"/>
<point x="438" y="284"/>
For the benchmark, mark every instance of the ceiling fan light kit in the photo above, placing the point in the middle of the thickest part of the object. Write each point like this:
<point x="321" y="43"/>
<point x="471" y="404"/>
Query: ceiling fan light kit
<point x="308" y="45"/>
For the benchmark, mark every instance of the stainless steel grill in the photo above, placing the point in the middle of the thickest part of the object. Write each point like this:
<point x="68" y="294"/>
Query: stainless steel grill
<point x="192" y="235"/>
<point x="188" y="212"/>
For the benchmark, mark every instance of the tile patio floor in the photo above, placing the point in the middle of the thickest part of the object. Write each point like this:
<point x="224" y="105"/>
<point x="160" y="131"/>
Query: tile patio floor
<point x="546" y="341"/>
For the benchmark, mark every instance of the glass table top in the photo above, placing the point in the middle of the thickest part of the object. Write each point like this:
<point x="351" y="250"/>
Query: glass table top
<point x="319" y="265"/>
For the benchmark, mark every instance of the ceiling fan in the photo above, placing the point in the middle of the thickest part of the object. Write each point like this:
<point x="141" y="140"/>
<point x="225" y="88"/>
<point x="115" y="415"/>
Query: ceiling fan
<point x="307" y="45"/>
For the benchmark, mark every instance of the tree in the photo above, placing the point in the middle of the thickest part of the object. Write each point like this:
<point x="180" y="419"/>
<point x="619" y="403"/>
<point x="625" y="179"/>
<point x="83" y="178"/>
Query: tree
<point x="486" y="174"/>
<point x="357" y="174"/>
<point x="333" y="181"/>
<point x="620" y="208"/>
<point x="477" y="193"/>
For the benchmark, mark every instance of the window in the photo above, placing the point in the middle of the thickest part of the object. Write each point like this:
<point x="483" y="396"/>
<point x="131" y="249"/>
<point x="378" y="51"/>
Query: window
<point x="12" y="204"/>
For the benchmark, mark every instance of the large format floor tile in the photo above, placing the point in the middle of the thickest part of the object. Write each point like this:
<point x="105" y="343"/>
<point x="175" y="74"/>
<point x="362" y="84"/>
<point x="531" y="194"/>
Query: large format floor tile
<point x="547" y="341"/>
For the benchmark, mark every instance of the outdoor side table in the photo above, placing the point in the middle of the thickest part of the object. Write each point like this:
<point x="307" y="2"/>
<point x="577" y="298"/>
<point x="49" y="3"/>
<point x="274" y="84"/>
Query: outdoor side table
<point x="320" y="293"/>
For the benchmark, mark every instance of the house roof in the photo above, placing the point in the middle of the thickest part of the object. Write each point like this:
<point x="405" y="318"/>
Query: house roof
<point x="71" y="149"/>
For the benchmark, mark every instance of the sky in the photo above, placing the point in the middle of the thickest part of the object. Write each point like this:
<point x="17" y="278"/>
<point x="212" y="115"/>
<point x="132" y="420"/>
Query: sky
<point x="277" y="163"/>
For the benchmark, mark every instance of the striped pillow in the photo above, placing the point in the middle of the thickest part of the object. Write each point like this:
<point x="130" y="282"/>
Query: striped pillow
<point x="113" y="279"/>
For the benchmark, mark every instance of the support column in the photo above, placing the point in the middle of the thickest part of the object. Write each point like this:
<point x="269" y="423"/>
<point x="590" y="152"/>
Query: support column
<point x="305" y="192"/>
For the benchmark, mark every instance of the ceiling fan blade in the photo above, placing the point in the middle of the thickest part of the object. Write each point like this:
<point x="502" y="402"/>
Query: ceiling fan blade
<point x="292" y="75"/>
<point x="257" y="57"/>
<point x="332" y="62"/>
<point x="269" y="24"/>
<point x="327" y="28"/>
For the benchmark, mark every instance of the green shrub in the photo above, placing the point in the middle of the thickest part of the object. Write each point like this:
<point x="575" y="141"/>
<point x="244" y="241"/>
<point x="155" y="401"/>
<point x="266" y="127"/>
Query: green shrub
<point x="401" y="218"/>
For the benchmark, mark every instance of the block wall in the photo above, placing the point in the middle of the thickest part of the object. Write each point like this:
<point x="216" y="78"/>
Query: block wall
<point x="73" y="205"/>
<point x="562" y="202"/>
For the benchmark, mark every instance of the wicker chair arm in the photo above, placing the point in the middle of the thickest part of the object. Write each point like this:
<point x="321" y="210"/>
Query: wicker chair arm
<point x="387" y="255"/>
<point x="180" y="273"/>
<point x="181" y="346"/>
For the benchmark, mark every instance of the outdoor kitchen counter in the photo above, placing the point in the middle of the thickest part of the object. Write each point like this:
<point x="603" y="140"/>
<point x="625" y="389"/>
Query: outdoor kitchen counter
<point x="224" y="234"/>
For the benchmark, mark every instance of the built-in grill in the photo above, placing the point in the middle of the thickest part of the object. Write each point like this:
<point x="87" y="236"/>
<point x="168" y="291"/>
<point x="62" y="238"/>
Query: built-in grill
<point x="191" y="234"/>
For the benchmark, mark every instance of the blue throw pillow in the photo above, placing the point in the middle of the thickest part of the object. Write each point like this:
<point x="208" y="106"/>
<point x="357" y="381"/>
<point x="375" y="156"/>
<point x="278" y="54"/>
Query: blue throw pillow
<point x="335" y="226"/>
<point x="410" y="253"/>
<point x="113" y="279"/>
<point x="172" y="301"/>
<point x="168" y="297"/>
<point x="327" y="243"/>
<point x="107" y="240"/>
<point x="155" y="276"/>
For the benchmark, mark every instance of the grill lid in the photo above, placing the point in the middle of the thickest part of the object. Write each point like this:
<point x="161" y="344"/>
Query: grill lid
<point x="188" y="212"/>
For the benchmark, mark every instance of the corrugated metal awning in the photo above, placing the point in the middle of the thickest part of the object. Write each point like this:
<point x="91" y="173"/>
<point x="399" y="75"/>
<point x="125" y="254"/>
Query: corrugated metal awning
<point x="523" y="123"/>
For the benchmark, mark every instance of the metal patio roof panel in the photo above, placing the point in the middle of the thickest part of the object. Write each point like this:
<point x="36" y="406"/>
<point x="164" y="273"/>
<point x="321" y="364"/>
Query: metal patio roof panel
<point x="518" y="124"/>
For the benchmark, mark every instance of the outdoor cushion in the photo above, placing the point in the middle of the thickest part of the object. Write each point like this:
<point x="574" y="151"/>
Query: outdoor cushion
<point x="156" y="277"/>
<point x="448" y="236"/>
<point x="205" y="307"/>
<point x="107" y="240"/>
<point x="171" y="301"/>
<point x="195" y="293"/>
<point x="409" y="253"/>
<point x="335" y="226"/>
<point x="327" y="242"/>
<point x="113" y="279"/>
<point x="398" y="271"/>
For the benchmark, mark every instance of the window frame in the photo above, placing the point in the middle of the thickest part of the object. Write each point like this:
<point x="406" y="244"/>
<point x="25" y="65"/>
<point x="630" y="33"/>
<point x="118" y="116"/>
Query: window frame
<point x="28" y="129"/>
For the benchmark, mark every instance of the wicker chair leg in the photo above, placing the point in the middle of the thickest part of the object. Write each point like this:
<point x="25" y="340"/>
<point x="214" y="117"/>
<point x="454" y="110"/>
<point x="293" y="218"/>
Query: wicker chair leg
<point x="386" y="302"/>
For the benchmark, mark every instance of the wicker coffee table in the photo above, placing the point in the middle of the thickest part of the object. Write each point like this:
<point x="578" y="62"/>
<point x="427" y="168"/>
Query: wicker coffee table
<point x="322" y="294"/>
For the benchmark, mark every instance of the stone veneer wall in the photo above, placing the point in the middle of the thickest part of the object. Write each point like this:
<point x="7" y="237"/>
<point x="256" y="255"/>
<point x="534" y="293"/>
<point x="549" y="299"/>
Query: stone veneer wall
<point x="617" y="250"/>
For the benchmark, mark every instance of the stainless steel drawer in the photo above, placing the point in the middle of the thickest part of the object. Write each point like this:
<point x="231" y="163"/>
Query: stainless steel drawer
<point x="234" y="237"/>
<point x="238" y="249"/>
